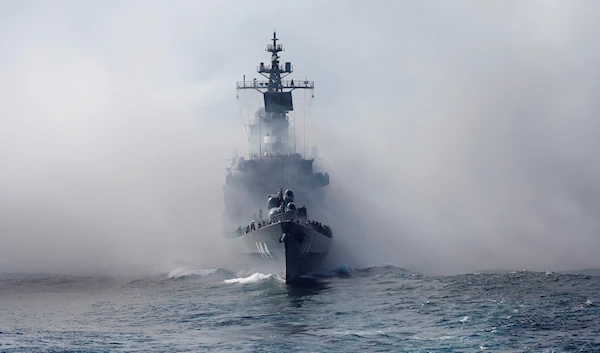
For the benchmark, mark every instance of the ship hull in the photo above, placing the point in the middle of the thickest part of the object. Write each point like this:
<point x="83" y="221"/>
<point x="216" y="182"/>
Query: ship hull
<point x="293" y="247"/>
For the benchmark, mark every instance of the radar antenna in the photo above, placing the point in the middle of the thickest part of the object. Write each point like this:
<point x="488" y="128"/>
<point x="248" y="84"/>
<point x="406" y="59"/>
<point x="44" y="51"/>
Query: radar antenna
<point x="270" y="129"/>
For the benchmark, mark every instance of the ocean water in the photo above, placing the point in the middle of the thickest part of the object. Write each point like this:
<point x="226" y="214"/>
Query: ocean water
<point x="378" y="309"/>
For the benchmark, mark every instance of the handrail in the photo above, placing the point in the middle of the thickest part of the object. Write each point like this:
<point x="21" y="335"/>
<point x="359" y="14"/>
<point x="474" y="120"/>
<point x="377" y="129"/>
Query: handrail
<point x="265" y="69"/>
<point x="325" y="230"/>
<point x="284" y="83"/>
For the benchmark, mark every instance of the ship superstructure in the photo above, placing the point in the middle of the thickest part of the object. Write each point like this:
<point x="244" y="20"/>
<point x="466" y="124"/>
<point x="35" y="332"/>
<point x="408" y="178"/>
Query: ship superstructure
<point x="251" y="177"/>
<point x="269" y="131"/>
<point x="276" y="233"/>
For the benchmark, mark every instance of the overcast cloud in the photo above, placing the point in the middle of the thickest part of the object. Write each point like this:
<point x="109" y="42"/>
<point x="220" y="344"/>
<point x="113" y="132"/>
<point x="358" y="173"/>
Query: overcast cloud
<point x="459" y="136"/>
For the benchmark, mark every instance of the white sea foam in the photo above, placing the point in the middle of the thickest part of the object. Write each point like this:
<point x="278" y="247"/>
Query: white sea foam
<point x="253" y="278"/>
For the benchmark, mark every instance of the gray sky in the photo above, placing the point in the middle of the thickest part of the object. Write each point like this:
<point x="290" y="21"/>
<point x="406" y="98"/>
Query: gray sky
<point x="460" y="136"/>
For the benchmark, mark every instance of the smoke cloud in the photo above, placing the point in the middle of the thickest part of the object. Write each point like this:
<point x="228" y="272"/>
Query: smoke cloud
<point x="459" y="137"/>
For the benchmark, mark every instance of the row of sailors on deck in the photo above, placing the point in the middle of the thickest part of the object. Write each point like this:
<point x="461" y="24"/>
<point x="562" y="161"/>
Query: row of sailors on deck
<point x="257" y="225"/>
<point x="318" y="226"/>
<point x="253" y="226"/>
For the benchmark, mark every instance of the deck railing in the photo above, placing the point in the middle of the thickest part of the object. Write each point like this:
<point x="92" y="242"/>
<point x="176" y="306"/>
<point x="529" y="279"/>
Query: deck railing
<point x="325" y="230"/>
<point x="285" y="83"/>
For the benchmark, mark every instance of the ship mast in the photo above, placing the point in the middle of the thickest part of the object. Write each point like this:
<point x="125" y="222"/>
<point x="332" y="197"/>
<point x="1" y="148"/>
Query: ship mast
<point x="271" y="126"/>
<point x="274" y="77"/>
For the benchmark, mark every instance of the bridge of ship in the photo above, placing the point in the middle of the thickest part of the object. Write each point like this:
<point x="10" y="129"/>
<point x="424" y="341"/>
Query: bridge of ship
<point x="270" y="168"/>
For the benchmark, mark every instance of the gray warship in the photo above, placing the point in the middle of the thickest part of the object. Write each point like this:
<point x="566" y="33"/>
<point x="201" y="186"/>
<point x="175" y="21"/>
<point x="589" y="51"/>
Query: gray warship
<point x="284" y="236"/>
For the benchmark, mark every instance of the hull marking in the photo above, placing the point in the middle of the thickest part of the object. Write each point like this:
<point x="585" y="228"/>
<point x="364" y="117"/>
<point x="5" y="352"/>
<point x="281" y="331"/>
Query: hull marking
<point x="260" y="251"/>
<point x="263" y="250"/>
<point x="305" y="248"/>
<point x="267" y="251"/>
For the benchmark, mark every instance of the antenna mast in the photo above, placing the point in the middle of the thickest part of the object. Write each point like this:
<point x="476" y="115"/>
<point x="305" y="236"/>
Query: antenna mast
<point x="272" y="129"/>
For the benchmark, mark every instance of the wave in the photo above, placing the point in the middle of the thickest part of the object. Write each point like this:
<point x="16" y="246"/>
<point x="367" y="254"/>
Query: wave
<point x="229" y="277"/>
<point x="254" y="278"/>
<point x="347" y="271"/>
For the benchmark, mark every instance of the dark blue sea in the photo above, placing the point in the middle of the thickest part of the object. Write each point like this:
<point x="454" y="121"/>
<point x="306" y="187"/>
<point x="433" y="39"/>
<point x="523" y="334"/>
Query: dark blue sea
<point x="378" y="309"/>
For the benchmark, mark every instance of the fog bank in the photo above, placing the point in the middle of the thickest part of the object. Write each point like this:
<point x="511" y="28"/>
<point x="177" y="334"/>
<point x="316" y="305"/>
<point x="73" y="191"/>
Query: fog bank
<point x="458" y="137"/>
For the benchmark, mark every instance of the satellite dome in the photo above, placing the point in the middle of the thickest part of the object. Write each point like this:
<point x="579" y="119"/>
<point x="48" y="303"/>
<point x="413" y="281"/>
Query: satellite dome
<point x="274" y="212"/>
<point x="290" y="215"/>
<point x="289" y="193"/>
<point x="272" y="202"/>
